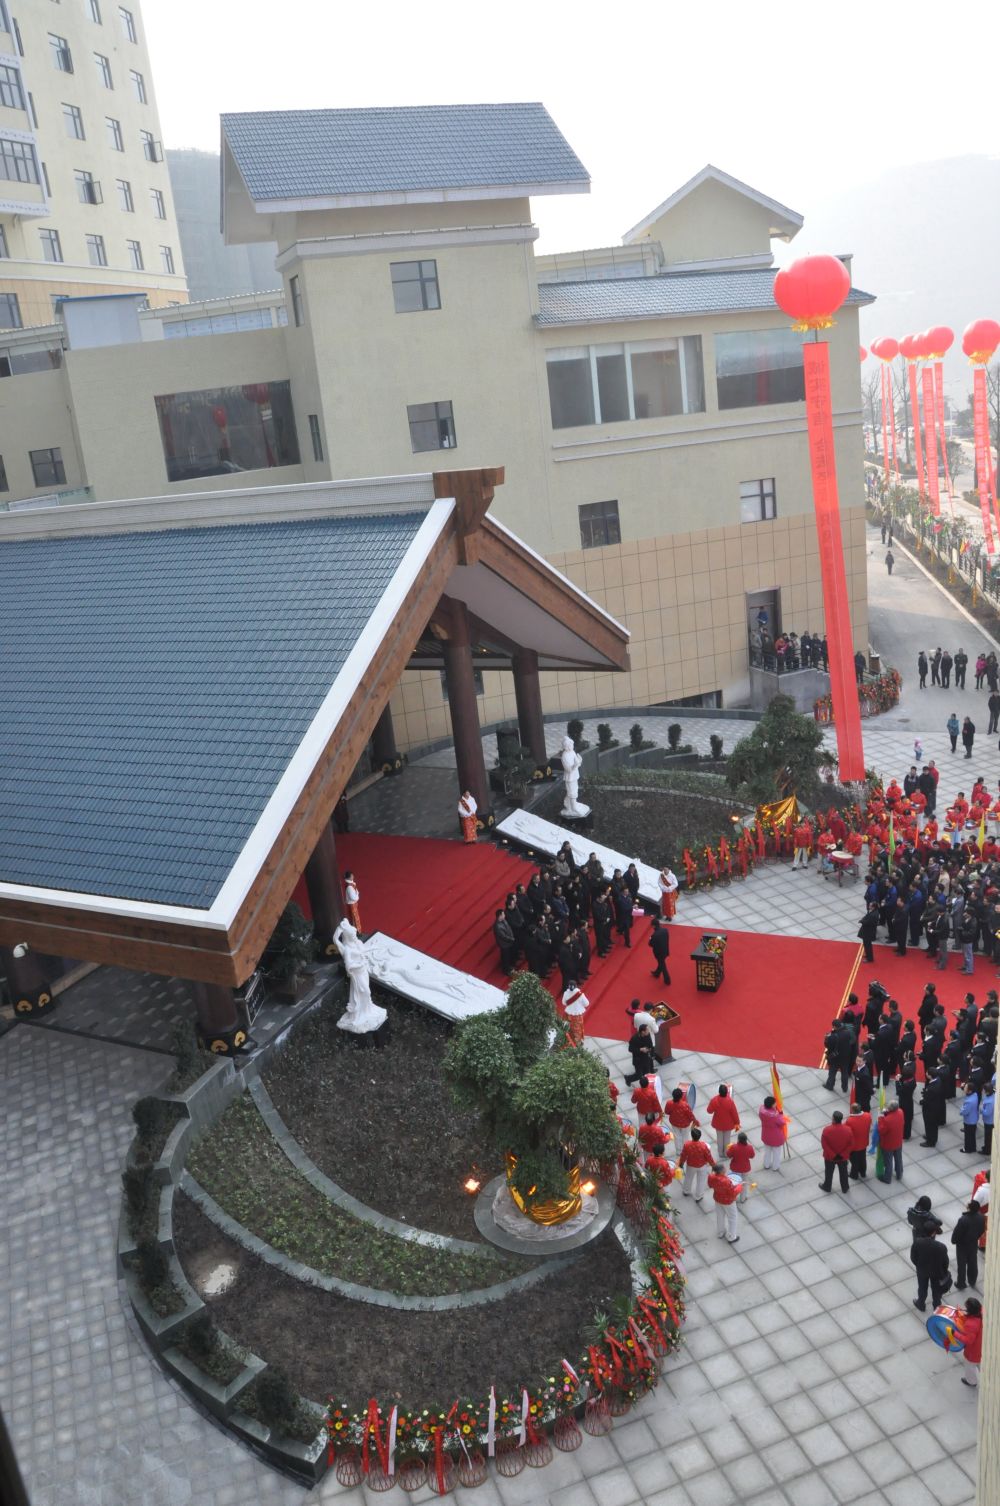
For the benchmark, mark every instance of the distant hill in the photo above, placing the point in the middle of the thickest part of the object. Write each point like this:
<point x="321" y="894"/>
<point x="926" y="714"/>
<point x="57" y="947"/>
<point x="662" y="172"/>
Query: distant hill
<point x="924" y="240"/>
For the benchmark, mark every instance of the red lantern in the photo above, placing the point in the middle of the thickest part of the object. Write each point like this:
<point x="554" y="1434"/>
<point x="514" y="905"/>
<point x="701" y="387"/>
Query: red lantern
<point x="886" y="348"/>
<point x="980" y="340"/>
<point x="862" y="353"/>
<point x="220" y="418"/>
<point x="811" y="290"/>
<point x="257" y="392"/>
<point x="909" y="347"/>
<point x="941" y="339"/>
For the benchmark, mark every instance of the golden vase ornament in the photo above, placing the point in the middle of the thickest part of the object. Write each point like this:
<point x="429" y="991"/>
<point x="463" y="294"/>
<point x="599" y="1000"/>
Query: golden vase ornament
<point x="555" y="1210"/>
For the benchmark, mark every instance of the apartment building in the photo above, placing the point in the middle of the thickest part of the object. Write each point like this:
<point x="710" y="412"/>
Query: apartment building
<point x="85" y="198"/>
<point x="645" y="399"/>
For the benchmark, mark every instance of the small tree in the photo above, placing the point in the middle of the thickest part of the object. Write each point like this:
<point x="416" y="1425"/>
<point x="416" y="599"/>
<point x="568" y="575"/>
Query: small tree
<point x="674" y="735"/>
<point x="148" y="1114"/>
<point x="290" y="947"/>
<point x="574" y="729"/>
<point x="604" y="738"/>
<point x="715" y="743"/>
<point x="635" y="737"/>
<point x="276" y="1399"/>
<point x="782" y="756"/>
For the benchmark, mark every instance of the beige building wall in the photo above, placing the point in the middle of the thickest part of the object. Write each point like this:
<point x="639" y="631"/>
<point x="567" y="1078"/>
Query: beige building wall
<point x="35" y="414"/>
<point x="711" y="222"/>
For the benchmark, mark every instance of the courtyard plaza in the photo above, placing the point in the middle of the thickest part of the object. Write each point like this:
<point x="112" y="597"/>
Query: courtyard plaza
<point x="805" y="1377"/>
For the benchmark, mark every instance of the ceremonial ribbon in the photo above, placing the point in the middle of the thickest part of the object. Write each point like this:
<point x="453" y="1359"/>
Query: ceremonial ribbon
<point x="522" y="1430"/>
<point x="640" y="1341"/>
<point x="571" y="1372"/>
<point x="600" y="1370"/>
<point x="648" y="1309"/>
<point x="491" y="1424"/>
<point x="391" y="1442"/>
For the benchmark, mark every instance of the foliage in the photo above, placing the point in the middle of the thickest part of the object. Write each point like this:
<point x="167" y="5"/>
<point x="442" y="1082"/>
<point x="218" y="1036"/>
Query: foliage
<point x="637" y="743"/>
<point x="527" y="1018"/>
<point x="688" y="781"/>
<point x="605" y="740"/>
<point x="273" y="1400"/>
<point x="574" y="729"/>
<point x="782" y="756"/>
<point x="674" y="736"/>
<point x="517" y="766"/>
<point x="190" y="1060"/>
<point x="290" y="947"/>
<point x="715" y="743"/>
<point x="201" y="1343"/>
<point x="140" y="1204"/>
<point x="149" y="1114"/>
<point x="480" y="1064"/>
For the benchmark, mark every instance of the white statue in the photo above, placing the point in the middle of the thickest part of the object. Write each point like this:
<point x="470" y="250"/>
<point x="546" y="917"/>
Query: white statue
<point x="362" y="1014"/>
<point x="434" y="984"/>
<point x="571" y="761"/>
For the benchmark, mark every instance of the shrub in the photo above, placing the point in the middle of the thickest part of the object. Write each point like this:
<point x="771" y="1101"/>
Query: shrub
<point x="137" y="1185"/>
<point x="201" y="1335"/>
<point x="604" y="737"/>
<point x="635" y="741"/>
<point x="574" y="729"/>
<point x="154" y="1267"/>
<point x="674" y="736"/>
<point x="277" y="1401"/>
<point x="715" y="743"/>
<point x="149" y="1115"/>
<point x="290" y="947"/>
<point x="190" y="1060"/>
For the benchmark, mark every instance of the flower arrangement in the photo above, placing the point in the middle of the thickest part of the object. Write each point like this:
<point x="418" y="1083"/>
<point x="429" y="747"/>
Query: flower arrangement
<point x="716" y="944"/>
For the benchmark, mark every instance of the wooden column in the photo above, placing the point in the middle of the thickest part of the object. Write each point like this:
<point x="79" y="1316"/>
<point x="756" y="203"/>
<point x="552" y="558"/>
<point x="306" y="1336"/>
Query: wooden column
<point x="325" y="897"/>
<point x="219" y="1026"/>
<point x="384" y="751"/>
<point x="27" y="980"/>
<point x="528" y="694"/>
<point x="464" y="708"/>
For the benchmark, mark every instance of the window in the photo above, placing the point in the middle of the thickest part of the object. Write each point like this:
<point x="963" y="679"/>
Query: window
<point x="62" y="58"/>
<point x="167" y="260"/>
<point x="4" y="18"/>
<point x="73" y="118"/>
<point x="757" y="500"/>
<point x="51" y="245"/>
<point x="57" y="300"/>
<point x="94" y="6"/>
<point x="138" y="85"/>
<point x="10" y="311"/>
<point x="47" y="467"/>
<point x="17" y="38"/>
<point x="134" y="250"/>
<point x="159" y="203"/>
<point x="414" y="286"/>
<point x="103" y="70"/>
<point x="88" y="190"/>
<point x="296" y="294"/>
<point x="96" y="251"/>
<point x="4" y="484"/>
<point x="590" y="384"/>
<point x="599" y="524"/>
<point x="115" y="138"/>
<point x="32" y="111"/>
<point x="128" y="24"/>
<point x="758" y="367"/>
<point x="432" y="426"/>
<point x="4" y="248"/>
<point x="45" y="180"/>
<point x="11" y="92"/>
<point x="227" y="429"/>
<point x="315" y="436"/>
<point x="125" y="199"/>
<point x="151" y="148"/>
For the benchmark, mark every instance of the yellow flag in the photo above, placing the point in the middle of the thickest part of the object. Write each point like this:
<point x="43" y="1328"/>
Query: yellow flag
<point x="982" y="831"/>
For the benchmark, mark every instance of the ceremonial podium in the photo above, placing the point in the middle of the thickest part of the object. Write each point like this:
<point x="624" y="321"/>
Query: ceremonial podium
<point x="666" y="1019"/>
<point x="709" y="968"/>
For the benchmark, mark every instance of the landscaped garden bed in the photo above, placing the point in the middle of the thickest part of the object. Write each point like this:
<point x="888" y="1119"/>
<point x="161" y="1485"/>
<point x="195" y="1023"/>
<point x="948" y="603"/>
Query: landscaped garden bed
<point x="653" y="816"/>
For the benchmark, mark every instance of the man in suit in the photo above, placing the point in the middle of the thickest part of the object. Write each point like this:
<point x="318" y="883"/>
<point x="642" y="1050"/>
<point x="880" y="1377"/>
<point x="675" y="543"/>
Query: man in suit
<point x="868" y="930"/>
<point x="504" y="938"/>
<point x="841" y="1049"/>
<point x="885" y="1048"/>
<point x="601" y="914"/>
<point x="622" y="901"/>
<point x="930" y="1259"/>
<point x="659" y="942"/>
<point x="933" y="1108"/>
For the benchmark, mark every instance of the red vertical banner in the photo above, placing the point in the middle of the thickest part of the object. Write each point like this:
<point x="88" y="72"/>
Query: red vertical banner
<point x="836" y="603"/>
<point x="885" y="419"/>
<point x="939" y="408"/>
<point x="892" y="422"/>
<point x="984" y="460"/>
<point x="930" y="448"/>
<point x="918" y="458"/>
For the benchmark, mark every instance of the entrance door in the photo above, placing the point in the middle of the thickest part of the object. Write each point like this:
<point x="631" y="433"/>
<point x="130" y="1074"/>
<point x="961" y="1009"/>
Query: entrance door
<point x="763" y="613"/>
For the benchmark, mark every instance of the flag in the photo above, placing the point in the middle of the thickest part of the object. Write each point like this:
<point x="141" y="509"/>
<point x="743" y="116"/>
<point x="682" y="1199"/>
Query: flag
<point x="776" y="1094"/>
<point x="892" y="836"/>
<point x="982" y="832"/>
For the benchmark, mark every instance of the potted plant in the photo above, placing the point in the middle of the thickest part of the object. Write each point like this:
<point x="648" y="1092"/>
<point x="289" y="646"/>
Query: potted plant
<point x="287" y="954"/>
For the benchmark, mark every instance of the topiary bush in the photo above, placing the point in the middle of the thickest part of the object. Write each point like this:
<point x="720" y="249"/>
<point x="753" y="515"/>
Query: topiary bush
<point x="574" y="729"/>
<point x="674" y="736"/>
<point x="149" y="1115"/>
<point x="715" y="743"/>
<point x="636" y="741"/>
<point x="290" y="948"/>
<point x="604" y="738"/>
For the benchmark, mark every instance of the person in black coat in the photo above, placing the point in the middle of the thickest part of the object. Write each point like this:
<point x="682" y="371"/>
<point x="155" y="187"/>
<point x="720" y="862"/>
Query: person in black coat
<point x="864" y="1082"/>
<point x="659" y="942"/>
<point x="868" y="930"/>
<point x="933" y="1109"/>
<point x="840" y="1048"/>
<point x="601" y="911"/>
<point x="877" y="996"/>
<point x="906" y="1046"/>
<point x="885" y="1049"/>
<point x="965" y="1237"/>
<point x="906" y="1089"/>
<point x="632" y="882"/>
<point x="623" y="911"/>
<point x="566" y="958"/>
<point x="925" y="1013"/>
<point x="951" y="1056"/>
<point x="504" y="938"/>
<point x="512" y="915"/>
<point x="643" y="1055"/>
<point x="581" y="942"/>
<point x="930" y="1258"/>
<point x="931" y="1053"/>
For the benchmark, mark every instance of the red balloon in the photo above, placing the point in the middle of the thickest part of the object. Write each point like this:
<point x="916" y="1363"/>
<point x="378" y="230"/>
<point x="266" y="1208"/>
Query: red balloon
<point x="941" y="339"/>
<point x="220" y="417"/>
<point x="257" y="392"/>
<point x="862" y="353"/>
<point x="909" y="347"/>
<point x="980" y="340"/>
<point x="812" y="289"/>
<point x="886" y="348"/>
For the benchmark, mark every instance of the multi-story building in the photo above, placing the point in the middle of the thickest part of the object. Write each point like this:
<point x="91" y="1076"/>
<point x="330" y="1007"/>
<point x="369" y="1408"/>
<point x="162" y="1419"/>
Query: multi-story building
<point x="85" y="199"/>
<point x="646" y="400"/>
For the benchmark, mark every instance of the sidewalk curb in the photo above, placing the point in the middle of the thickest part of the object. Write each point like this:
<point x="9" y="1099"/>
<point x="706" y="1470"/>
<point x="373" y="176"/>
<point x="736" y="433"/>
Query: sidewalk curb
<point x="948" y="596"/>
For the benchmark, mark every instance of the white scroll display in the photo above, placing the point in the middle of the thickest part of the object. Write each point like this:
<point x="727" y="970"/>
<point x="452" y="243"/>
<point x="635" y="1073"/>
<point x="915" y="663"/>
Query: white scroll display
<point x="423" y="980"/>
<point x="544" y="836"/>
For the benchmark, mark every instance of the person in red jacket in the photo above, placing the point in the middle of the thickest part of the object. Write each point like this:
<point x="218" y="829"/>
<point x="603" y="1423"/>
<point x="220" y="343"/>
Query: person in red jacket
<point x="646" y="1098"/>
<point x="890" y="1138"/>
<point x="727" y="1215"/>
<point x="658" y="1165"/>
<point x="972" y="1333"/>
<point x="836" y="1141"/>
<point x="696" y="1158"/>
<point x="724" y="1116"/>
<point x="740" y="1155"/>
<point x="680" y="1113"/>
<point x="651" y="1134"/>
<point x="860" y="1125"/>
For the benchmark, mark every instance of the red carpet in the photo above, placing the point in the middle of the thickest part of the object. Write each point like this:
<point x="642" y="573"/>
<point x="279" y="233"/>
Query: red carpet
<point x="778" y="997"/>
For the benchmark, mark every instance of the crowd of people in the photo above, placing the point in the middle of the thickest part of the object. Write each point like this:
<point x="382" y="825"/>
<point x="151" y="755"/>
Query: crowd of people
<point x="788" y="651"/>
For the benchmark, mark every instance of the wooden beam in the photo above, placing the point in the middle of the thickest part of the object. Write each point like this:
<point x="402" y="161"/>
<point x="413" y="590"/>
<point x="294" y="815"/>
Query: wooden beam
<point x="473" y="492"/>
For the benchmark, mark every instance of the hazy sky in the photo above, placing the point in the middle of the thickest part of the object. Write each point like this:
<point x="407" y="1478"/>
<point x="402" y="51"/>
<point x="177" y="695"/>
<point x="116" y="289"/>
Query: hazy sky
<point x="646" y="94"/>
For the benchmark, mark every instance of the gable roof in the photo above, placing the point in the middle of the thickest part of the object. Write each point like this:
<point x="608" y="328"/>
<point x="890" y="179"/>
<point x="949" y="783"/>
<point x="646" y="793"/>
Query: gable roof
<point x="786" y="222"/>
<point x="338" y="158"/>
<point x="668" y="295"/>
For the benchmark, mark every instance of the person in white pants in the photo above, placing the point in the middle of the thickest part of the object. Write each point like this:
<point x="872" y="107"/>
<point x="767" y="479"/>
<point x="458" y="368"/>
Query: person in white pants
<point x="726" y="1191"/>
<point x="772" y="1133"/>
<point x="695" y="1158"/>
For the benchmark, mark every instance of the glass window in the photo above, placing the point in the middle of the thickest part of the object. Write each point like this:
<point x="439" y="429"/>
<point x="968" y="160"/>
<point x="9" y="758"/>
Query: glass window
<point x="227" y="429"/>
<point x="88" y="190"/>
<point x="115" y="138"/>
<point x="96" y="251"/>
<point x="138" y="85"/>
<point x="62" y="58"/>
<point x="296" y="295"/>
<point x="18" y="163"/>
<point x="94" y="6"/>
<point x="757" y="500"/>
<point x="73" y="118"/>
<point x="571" y="388"/>
<point x="612" y="383"/>
<point x="10" y="311"/>
<point x="656" y="378"/>
<point x="759" y="366"/>
<point x="599" y="524"/>
<point x="47" y="467"/>
<point x="159" y="203"/>
<point x="315" y="436"/>
<point x="4" y="248"/>
<point x="167" y="260"/>
<point x="11" y="92"/>
<point x="128" y="24"/>
<point x="4" y="485"/>
<point x="134" y="250"/>
<point x="51" y="246"/>
<point x="151" y="148"/>
<point x="414" y="286"/>
<point x="125" y="199"/>
<point x="103" y="70"/>
<point x="32" y="111"/>
<point x="432" y="426"/>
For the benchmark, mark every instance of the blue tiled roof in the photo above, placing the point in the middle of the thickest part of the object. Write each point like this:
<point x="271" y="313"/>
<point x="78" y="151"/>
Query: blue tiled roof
<point x="669" y="295"/>
<point x="292" y="154"/>
<point x="155" y="686"/>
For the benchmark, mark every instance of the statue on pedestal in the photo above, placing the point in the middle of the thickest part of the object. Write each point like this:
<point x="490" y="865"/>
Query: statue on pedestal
<point x="571" y="761"/>
<point x="362" y="1015"/>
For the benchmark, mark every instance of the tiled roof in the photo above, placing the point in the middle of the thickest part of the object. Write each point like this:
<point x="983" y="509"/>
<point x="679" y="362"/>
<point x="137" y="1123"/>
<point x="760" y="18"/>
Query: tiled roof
<point x="295" y="154"/>
<point x="155" y="687"/>
<point x="667" y="296"/>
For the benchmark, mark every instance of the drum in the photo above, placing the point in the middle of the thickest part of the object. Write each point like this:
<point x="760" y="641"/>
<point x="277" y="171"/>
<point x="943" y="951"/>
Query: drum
<point x="690" y="1092"/>
<point x="945" y="1327"/>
